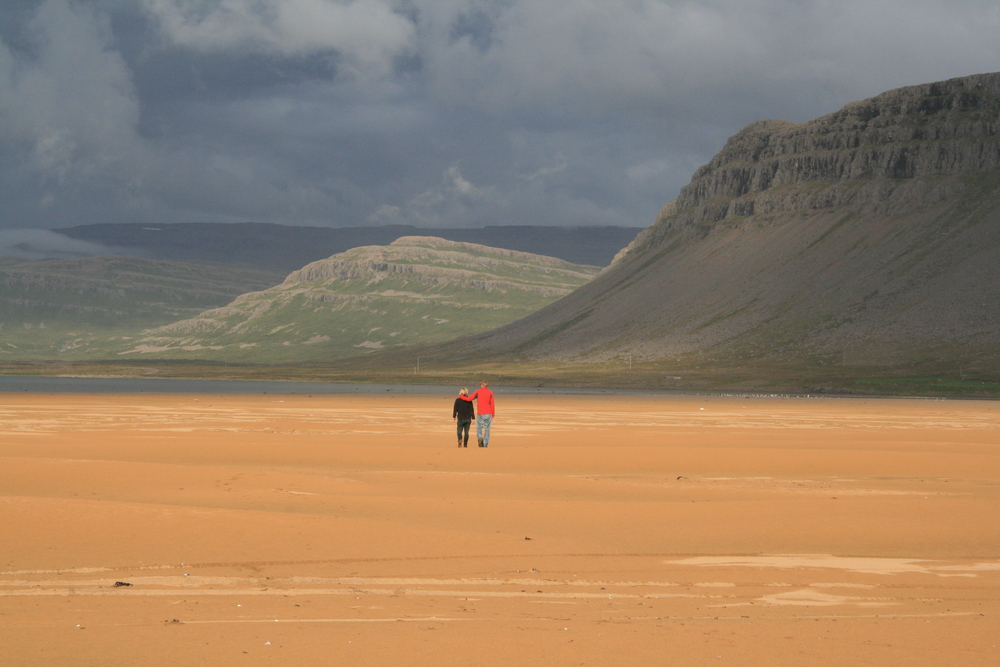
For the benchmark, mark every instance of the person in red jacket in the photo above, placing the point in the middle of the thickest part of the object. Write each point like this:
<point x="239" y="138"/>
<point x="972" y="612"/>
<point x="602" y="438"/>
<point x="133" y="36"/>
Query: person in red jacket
<point x="486" y="409"/>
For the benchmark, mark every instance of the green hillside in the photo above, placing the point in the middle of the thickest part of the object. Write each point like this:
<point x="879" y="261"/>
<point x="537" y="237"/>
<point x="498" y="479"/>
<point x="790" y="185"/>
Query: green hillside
<point x="415" y="290"/>
<point x="82" y="308"/>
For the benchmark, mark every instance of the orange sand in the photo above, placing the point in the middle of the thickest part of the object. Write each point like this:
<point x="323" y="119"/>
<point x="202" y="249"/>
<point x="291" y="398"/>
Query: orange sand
<point x="349" y="530"/>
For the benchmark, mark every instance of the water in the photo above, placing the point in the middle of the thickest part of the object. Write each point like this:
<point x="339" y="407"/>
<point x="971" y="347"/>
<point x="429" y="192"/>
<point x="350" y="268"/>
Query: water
<point x="84" y="385"/>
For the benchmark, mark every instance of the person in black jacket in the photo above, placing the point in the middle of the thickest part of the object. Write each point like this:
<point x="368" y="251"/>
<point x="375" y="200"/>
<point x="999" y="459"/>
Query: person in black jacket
<point x="463" y="413"/>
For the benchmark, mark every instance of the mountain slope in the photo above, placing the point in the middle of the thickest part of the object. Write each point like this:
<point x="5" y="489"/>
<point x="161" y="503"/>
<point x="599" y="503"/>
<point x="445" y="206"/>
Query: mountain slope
<point x="70" y="308"/>
<point x="870" y="235"/>
<point x="415" y="290"/>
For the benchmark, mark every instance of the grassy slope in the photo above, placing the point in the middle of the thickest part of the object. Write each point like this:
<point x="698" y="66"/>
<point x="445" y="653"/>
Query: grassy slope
<point x="750" y="365"/>
<point x="66" y="309"/>
<point x="396" y="295"/>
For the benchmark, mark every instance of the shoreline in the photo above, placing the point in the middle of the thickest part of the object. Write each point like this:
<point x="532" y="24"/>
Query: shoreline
<point x="105" y="385"/>
<point x="97" y="385"/>
<point x="164" y="529"/>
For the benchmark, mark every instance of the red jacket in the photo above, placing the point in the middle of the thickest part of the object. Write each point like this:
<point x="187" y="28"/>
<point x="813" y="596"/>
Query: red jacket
<point x="486" y="406"/>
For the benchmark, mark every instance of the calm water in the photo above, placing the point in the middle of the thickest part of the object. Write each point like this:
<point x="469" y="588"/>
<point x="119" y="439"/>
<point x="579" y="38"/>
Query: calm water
<point x="47" y="385"/>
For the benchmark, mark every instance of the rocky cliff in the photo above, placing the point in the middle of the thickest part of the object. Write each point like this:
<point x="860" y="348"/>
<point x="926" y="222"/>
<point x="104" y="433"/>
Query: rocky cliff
<point x="436" y="262"/>
<point x="871" y="234"/>
<point x="883" y="151"/>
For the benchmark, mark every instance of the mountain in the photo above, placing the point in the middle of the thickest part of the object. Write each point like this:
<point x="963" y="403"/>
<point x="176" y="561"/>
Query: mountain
<point x="287" y="248"/>
<point x="867" y="237"/>
<point x="71" y="308"/>
<point x="415" y="290"/>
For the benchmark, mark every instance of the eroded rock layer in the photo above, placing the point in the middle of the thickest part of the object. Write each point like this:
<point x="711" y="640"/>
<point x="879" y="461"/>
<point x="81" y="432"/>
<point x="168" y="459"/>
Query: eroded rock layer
<point x="872" y="233"/>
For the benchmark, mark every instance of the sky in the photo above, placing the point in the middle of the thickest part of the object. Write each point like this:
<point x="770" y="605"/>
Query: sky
<point x="435" y="113"/>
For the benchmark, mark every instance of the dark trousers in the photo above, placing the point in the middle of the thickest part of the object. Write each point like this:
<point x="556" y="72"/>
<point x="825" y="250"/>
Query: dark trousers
<point x="463" y="426"/>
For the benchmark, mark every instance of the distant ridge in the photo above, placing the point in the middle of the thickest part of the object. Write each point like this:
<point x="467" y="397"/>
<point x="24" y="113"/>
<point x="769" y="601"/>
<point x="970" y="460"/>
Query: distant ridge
<point x="79" y="308"/>
<point x="287" y="248"/>
<point x="414" y="290"/>
<point x="868" y="236"/>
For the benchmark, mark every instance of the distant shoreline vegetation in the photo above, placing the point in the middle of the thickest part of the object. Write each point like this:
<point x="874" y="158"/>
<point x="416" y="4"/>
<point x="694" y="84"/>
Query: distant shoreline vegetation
<point x="355" y="376"/>
<point x="96" y="385"/>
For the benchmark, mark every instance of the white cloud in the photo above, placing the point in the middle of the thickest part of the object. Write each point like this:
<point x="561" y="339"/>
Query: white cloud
<point x="367" y="33"/>
<point x="587" y="60"/>
<point x="455" y="183"/>
<point x="456" y="202"/>
<point x="70" y="114"/>
<point x="43" y="244"/>
<point x="561" y="163"/>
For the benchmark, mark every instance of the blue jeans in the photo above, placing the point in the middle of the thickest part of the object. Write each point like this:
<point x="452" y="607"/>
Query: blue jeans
<point x="483" y="428"/>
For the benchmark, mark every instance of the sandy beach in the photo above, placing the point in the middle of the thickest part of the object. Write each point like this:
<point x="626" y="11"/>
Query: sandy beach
<point x="184" y="529"/>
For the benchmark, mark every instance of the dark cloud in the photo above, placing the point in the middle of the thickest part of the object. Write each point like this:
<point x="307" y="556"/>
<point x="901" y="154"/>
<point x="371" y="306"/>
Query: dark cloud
<point x="429" y="112"/>
<point x="477" y="26"/>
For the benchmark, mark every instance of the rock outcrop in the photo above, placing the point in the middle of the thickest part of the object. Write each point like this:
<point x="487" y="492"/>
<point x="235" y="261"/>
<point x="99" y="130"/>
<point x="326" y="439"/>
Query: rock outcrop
<point x="872" y="233"/>
<point x="883" y="151"/>
<point x="436" y="262"/>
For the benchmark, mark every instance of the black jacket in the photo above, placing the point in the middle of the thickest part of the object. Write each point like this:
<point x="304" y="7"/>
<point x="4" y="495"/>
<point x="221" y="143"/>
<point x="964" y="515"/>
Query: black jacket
<point x="463" y="410"/>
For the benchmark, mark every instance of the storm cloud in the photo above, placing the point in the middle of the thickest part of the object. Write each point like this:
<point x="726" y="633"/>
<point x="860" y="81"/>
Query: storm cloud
<point x="453" y="113"/>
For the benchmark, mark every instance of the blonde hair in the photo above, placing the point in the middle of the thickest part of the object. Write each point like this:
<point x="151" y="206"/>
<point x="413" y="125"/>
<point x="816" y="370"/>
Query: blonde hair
<point x="463" y="392"/>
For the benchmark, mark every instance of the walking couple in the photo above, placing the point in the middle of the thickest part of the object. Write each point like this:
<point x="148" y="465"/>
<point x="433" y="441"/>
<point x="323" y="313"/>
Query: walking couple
<point x="463" y="414"/>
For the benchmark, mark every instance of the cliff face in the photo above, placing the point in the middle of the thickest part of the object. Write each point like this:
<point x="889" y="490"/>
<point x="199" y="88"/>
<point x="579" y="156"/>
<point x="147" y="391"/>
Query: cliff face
<point x="436" y="262"/>
<point x="873" y="232"/>
<point x="884" y="151"/>
<point x="935" y="129"/>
